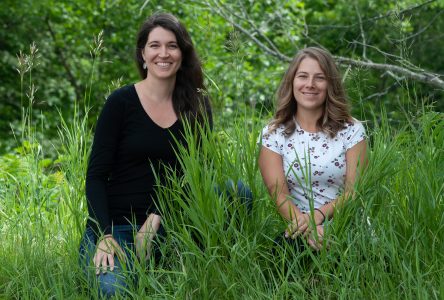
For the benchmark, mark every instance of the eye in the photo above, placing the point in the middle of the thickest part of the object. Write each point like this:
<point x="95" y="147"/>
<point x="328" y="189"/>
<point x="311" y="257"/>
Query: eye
<point x="153" y="45"/>
<point x="173" y="46"/>
<point x="302" y="76"/>
<point x="319" y="78"/>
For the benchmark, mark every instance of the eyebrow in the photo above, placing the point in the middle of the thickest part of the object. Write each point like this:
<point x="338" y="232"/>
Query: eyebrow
<point x="170" y="42"/>
<point x="304" y="72"/>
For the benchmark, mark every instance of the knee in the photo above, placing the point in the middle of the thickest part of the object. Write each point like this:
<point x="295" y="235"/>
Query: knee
<point x="244" y="191"/>
<point x="111" y="284"/>
<point x="237" y="190"/>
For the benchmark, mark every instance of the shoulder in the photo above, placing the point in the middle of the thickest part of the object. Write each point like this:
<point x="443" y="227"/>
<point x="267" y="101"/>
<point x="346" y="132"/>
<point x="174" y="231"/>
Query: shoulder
<point x="352" y="126"/>
<point x="122" y="94"/>
<point x="353" y="133"/>
<point x="120" y="98"/>
<point x="268" y="130"/>
<point x="272" y="138"/>
<point x="356" y="126"/>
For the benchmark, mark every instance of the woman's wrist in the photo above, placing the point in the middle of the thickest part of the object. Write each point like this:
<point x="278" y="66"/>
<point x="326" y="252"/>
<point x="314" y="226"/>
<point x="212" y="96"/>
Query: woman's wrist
<point x="105" y="236"/>
<point x="298" y="216"/>
<point x="322" y="215"/>
<point x="150" y="227"/>
<point x="144" y="232"/>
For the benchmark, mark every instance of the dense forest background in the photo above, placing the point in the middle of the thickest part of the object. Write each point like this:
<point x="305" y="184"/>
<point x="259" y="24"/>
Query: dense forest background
<point x="244" y="45"/>
<point x="60" y="60"/>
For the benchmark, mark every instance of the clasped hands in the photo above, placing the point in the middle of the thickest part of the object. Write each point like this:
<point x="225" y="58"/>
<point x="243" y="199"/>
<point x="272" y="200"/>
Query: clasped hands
<point x="304" y="226"/>
<point x="108" y="247"/>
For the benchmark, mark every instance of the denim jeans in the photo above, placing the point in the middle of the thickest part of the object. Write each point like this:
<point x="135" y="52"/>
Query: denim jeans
<point x="239" y="190"/>
<point x="111" y="282"/>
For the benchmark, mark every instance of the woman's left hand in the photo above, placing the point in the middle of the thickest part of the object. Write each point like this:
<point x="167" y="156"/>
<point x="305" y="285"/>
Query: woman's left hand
<point x="316" y="240"/>
<point x="145" y="236"/>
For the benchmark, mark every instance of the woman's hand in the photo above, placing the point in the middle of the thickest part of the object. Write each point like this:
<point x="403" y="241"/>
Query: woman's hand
<point x="298" y="226"/>
<point x="145" y="236"/>
<point x="302" y="224"/>
<point x="315" y="240"/>
<point x="104" y="256"/>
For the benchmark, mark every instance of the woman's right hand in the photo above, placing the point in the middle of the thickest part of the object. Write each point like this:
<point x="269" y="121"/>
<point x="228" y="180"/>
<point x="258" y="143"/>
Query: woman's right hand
<point x="145" y="236"/>
<point x="104" y="256"/>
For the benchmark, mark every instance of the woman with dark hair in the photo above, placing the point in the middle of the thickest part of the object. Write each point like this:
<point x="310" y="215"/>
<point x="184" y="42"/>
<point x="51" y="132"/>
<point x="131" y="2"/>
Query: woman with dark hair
<point x="134" y="140"/>
<point x="313" y="149"/>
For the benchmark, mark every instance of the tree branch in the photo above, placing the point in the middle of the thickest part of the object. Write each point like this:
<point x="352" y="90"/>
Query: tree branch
<point x="375" y="18"/>
<point x="361" y="28"/>
<point x="397" y="71"/>
<point x="425" y="77"/>
<point x="417" y="74"/>
<point x="383" y="93"/>
<point x="264" y="47"/>
<point x="422" y="30"/>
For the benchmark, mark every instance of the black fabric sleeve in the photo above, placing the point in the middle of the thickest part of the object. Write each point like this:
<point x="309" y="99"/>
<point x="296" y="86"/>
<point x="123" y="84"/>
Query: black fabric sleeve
<point x="106" y="141"/>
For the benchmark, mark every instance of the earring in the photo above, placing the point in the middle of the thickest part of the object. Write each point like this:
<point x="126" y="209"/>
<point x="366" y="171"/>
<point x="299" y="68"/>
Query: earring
<point x="144" y="66"/>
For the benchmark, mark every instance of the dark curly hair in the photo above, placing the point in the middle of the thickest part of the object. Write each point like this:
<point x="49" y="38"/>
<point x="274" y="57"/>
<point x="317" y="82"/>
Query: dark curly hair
<point x="189" y="95"/>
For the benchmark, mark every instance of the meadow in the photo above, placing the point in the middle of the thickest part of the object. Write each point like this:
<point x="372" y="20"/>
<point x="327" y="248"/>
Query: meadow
<point x="385" y="243"/>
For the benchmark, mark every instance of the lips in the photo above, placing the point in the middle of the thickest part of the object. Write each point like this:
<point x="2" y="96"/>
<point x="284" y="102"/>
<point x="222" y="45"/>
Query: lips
<point x="163" y="64"/>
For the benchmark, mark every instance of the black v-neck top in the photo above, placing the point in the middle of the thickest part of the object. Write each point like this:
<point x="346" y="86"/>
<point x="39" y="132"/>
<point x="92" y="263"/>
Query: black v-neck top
<point x="128" y="150"/>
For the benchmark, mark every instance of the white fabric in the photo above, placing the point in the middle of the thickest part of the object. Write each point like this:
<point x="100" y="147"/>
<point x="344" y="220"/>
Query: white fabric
<point x="314" y="163"/>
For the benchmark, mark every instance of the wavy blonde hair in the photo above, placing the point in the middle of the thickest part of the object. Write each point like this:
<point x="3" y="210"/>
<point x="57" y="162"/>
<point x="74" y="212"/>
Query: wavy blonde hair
<point x="336" y="110"/>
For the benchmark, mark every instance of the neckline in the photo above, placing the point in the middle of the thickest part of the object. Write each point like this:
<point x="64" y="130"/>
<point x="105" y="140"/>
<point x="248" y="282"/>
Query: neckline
<point x="148" y="115"/>
<point x="305" y="130"/>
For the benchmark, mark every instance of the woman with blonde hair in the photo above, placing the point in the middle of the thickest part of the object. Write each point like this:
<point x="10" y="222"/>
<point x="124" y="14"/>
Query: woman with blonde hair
<point x="313" y="148"/>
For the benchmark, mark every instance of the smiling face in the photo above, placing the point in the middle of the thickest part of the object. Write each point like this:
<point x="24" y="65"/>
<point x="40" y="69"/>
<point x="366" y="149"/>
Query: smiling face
<point x="162" y="54"/>
<point x="310" y="85"/>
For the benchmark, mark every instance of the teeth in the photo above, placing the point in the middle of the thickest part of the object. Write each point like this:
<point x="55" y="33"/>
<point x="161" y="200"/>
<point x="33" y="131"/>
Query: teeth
<point x="163" y="64"/>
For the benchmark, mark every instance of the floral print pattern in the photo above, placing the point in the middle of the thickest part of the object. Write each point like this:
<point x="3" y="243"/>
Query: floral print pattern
<point x="315" y="153"/>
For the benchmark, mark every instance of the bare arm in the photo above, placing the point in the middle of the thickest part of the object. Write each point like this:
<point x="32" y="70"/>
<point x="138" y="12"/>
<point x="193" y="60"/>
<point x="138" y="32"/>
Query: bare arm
<point x="356" y="158"/>
<point x="272" y="170"/>
<point x="145" y="236"/>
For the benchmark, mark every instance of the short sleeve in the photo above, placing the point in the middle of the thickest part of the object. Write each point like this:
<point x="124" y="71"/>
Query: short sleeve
<point x="272" y="140"/>
<point x="354" y="135"/>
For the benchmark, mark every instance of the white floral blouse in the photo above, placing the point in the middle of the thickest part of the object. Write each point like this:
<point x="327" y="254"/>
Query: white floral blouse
<point x="314" y="163"/>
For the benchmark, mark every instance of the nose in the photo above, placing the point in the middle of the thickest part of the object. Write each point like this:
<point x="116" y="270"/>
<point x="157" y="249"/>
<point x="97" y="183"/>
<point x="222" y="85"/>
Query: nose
<point x="311" y="81"/>
<point x="164" y="52"/>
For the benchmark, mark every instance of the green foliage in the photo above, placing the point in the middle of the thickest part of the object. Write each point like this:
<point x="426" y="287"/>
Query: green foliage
<point x="238" y="72"/>
<point x="386" y="243"/>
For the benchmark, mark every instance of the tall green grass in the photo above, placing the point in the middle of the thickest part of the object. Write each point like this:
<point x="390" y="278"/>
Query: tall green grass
<point x="387" y="243"/>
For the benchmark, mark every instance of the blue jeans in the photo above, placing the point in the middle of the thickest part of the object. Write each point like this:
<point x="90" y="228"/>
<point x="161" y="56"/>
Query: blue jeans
<point x="239" y="190"/>
<point x="114" y="282"/>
